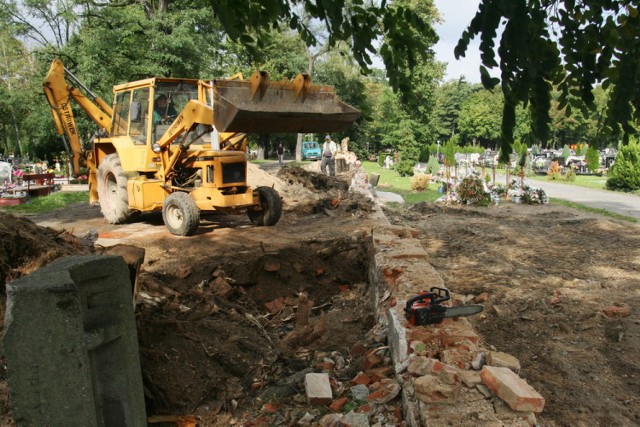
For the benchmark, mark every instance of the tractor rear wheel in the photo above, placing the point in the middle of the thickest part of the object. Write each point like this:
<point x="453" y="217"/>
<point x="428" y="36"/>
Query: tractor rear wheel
<point x="181" y="214"/>
<point x="112" y="190"/>
<point x="270" y="209"/>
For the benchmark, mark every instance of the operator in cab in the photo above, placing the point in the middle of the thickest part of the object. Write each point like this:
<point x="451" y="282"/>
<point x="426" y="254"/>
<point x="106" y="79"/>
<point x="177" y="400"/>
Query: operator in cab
<point x="163" y="110"/>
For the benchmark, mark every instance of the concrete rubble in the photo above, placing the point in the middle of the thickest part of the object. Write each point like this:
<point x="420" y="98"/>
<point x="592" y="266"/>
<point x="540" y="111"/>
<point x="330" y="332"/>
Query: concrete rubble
<point x="446" y="375"/>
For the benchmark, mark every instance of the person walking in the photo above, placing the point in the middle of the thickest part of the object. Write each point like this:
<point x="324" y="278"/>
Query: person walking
<point x="329" y="150"/>
<point x="280" y="151"/>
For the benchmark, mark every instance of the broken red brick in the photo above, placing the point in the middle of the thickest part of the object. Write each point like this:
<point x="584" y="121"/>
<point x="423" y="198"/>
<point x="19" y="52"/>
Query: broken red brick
<point x="365" y="409"/>
<point x="268" y="407"/>
<point x="183" y="272"/>
<point x="361" y="378"/>
<point x="618" y="309"/>
<point x="221" y="287"/>
<point x="391" y="276"/>
<point x="358" y="349"/>
<point x="378" y="374"/>
<point x="344" y="288"/>
<point x="271" y="266"/>
<point x="385" y="393"/>
<point x="515" y="391"/>
<point x="275" y="306"/>
<point x="397" y="412"/>
<point x="370" y="361"/>
<point x="482" y="298"/>
<point x="325" y="366"/>
<point x="338" y="404"/>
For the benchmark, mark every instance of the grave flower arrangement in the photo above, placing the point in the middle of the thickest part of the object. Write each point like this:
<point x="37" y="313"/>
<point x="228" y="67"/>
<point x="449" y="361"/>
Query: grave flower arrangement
<point x="471" y="191"/>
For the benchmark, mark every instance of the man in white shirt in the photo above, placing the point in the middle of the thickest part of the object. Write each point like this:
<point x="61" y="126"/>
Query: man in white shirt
<point x="329" y="150"/>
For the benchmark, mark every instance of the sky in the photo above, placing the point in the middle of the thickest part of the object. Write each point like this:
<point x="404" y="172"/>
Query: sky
<point x="457" y="14"/>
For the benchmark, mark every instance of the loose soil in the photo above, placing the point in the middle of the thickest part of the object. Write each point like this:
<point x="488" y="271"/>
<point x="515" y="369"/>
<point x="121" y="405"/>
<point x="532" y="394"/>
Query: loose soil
<point x="219" y="314"/>
<point x="550" y="273"/>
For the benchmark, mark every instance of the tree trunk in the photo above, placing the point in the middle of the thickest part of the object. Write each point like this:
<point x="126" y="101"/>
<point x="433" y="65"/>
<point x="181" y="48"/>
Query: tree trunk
<point x="263" y="144"/>
<point x="299" y="148"/>
<point x="17" y="130"/>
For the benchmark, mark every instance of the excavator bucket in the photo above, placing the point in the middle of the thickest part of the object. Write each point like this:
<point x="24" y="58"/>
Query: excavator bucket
<point x="260" y="106"/>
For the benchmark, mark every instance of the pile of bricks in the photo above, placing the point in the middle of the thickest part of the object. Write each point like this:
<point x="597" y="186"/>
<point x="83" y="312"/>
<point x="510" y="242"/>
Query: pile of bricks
<point x="447" y="376"/>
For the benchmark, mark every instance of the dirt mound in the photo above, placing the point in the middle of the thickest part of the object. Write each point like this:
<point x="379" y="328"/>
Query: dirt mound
<point x="27" y="246"/>
<point x="312" y="180"/>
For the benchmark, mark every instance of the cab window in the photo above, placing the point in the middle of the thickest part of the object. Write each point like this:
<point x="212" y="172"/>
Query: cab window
<point x="121" y="114"/>
<point x="139" y="116"/>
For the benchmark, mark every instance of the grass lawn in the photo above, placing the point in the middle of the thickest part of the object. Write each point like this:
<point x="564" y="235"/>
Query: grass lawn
<point x="589" y="181"/>
<point x="57" y="200"/>
<point x="392" y="182"/>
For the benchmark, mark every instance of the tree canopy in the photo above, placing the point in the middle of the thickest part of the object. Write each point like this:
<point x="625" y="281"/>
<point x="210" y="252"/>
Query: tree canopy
<point x="565" y="44"/>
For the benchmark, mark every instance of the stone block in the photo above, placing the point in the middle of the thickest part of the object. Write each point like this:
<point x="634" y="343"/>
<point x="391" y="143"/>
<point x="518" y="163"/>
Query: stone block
<point x="318" y="389"/>
<point x="432" y="389"/>
<point x="503" y="360"/>
<point x="71" y="345"/>
<point x="470" y="378"/>
<point x="515" y="391"/>
<point x="419" y="365"/>
<point x="397" y="338"/>
<point x="449" y="333"/>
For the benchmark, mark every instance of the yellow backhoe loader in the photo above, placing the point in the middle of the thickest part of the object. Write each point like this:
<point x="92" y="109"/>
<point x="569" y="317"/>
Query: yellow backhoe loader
<point x="179" y="145"/>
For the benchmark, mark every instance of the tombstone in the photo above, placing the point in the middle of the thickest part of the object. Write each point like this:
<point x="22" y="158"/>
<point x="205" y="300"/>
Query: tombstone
<point x="341" y="165"/>
<point x="5" y="172"/>
<point x="71" y="346"/>
<point x="344" y="145"/>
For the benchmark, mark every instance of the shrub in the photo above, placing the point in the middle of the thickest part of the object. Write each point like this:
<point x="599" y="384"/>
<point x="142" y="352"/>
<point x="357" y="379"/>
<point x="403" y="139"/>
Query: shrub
<point x="433" y="167"/>
<point x="420" y="182"/>
<point x="570" y="175"/>
<point x="405" y="167"/>
<point x="555" y="171"/>
<point x="625" y="172"/>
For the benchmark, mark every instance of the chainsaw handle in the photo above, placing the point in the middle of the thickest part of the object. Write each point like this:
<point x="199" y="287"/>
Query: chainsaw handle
<point x="435" y="296"/>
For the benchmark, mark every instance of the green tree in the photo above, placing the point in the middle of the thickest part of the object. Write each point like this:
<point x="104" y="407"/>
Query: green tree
<point x="625" y="172"/>
<point x="479" y="120"/>
<point x="16" y="70"/>
<point x="593" y="159"/>
<point x="565" y="44"/>
<point x="449" y="99"/>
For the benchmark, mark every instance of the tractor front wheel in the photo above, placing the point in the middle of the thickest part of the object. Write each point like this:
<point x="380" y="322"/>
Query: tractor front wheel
<point x="112" y="190"/>
<point x="270" y="208"/>
<point x="180" y="214"/>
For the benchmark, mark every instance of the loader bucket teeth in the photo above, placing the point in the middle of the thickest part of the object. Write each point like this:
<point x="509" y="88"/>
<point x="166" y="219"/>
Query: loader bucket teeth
<point x="296" y="106"/>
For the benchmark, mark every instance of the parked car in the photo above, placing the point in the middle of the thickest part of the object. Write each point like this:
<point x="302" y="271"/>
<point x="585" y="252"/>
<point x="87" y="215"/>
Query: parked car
<point x="311" y="150"/>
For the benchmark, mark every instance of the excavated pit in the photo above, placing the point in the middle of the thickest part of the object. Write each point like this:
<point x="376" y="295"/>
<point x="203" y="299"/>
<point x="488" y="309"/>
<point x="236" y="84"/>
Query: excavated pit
<point x="229" y="334"/>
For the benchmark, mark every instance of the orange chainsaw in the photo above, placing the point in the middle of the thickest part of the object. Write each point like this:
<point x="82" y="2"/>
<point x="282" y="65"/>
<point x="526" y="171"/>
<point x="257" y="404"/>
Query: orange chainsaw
<point x="427" y="308"/>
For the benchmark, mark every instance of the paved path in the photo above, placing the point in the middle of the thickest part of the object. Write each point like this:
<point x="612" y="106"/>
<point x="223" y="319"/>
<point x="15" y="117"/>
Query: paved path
<point x="612" y="201"/>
